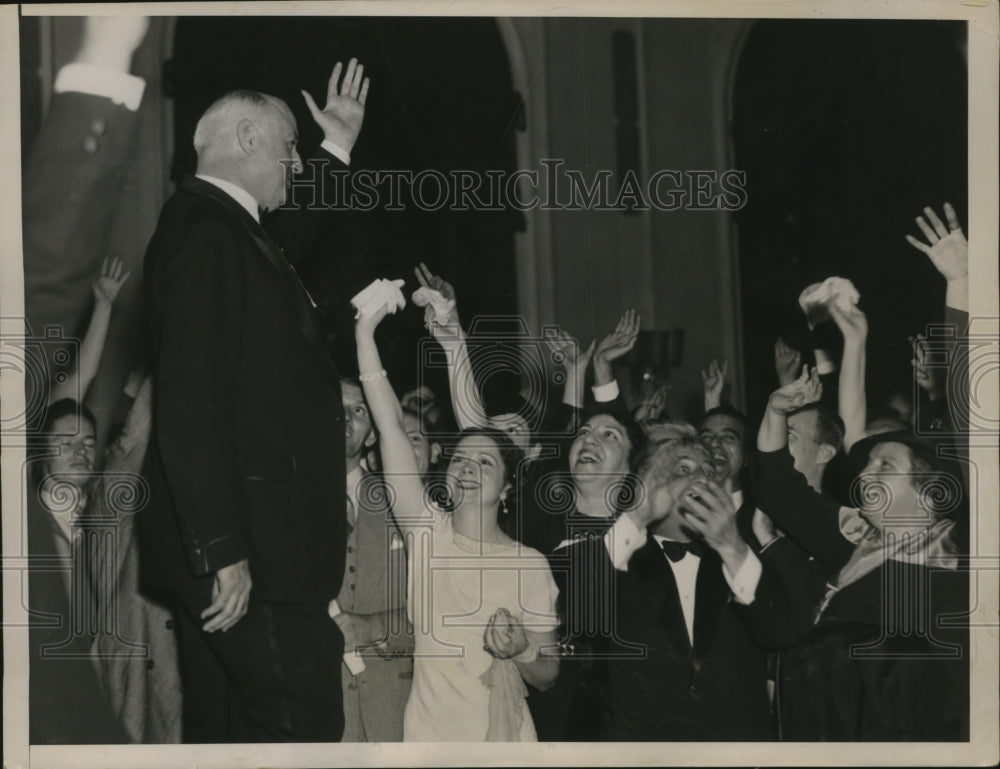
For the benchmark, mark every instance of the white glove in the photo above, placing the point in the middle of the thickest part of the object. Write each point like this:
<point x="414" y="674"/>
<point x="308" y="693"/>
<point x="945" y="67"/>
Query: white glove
<point x="815" y="299"/>
<point x="379" y="293"/>
<point x="432" y="298"/>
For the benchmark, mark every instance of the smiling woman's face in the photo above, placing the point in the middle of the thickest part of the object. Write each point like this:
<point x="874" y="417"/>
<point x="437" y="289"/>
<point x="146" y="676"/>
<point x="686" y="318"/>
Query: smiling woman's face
<point x="476" y="472"/>
<point x="601" y="448"/>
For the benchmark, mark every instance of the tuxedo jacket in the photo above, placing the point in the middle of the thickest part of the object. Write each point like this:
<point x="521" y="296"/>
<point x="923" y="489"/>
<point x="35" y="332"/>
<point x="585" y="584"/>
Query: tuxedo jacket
<point x="663" y="687"/>
<point x="247" y="452"/>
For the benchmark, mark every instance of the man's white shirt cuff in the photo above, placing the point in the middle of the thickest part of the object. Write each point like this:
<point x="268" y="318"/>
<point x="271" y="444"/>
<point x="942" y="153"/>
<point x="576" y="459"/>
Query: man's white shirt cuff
<point x="744" y="582"/>
<point x="337" y="151"/>
<point x="622" y="540"/>
<point x="605" y="392"/>
<point x="121" y="87"/>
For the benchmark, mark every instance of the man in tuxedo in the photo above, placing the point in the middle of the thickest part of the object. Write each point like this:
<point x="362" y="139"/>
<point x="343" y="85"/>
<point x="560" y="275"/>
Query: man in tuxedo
<point x="246" y="525"/>
<point x="693" y="609"/>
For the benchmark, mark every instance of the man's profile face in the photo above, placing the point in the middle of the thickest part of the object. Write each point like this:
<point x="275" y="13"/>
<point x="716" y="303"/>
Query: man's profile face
<point x="278" y="153"/>
<point x="802" y="443"/>
<point x="357" y="422"/>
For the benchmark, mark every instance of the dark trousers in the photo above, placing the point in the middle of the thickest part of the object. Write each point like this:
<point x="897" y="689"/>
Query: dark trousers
<point x="272" y="677"/>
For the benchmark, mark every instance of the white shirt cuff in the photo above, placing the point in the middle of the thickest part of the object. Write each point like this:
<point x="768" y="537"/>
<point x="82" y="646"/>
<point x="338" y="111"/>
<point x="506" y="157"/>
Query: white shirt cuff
<point x="622" y="540"/>
<point x="121" y="87"/>
<point x="605" y="392"/>
<point x="337" y="151"/>
<point x="744" y="582"/>
<point x="957" y="294"/>
<point x="824" y="363"/>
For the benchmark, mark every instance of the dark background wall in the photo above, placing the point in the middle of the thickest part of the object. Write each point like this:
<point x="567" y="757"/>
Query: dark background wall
<point x="845" y="130"/>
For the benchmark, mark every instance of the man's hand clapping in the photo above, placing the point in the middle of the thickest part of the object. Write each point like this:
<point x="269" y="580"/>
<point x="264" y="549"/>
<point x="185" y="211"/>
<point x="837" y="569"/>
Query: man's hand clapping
<point x="615" y="345"/>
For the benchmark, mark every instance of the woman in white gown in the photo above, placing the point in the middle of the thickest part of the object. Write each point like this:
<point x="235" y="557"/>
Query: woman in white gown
<point x="482" y="604"/>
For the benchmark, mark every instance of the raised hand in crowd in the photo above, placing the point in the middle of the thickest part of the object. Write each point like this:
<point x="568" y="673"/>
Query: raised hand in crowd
<point x="807" y="389"/>
<point x="615" y="345"/>
<point x="948" y="250"/>
<point x="946" y="247"/>
<point x="798" y="393"/>
<point x="344" y="112"/>
<point x="567" y="353"/>
<point x="109" y="281"/>
<point x="713" y="381"/>
<point x="441" y="317"/>
<point x="787" y="362"/>
<point x="653" y="405"/>
<point x="106" y="286"/>
<point x="443" y="323"/>
<point x="398" y="461"/>
<point x="853" y="324"/>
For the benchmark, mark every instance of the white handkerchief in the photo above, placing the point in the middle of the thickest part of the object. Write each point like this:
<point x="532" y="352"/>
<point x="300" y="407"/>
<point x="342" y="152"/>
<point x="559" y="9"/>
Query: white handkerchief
<point x="379" y="293"/>
<point x="424" y="297"/>
<point x="815" y="299"/>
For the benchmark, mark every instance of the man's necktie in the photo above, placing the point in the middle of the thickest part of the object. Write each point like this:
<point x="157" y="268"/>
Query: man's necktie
<point x="676" y="551"/>
<point x="350" y="515"/>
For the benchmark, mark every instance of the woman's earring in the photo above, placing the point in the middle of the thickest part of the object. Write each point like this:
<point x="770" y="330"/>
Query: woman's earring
<point x="503" y="505"/>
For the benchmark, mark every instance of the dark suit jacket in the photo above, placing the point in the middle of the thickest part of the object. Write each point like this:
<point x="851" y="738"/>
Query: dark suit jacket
<point x="247" y="454"/>
<point x="657" y="687"/>
<point x="886" y="666"/>
<point x="713" y="690"/>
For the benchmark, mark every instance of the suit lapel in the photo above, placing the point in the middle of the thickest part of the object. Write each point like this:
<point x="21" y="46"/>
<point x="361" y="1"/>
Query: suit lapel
<point x="306" y="318"/>
<point x="711" y="592"/>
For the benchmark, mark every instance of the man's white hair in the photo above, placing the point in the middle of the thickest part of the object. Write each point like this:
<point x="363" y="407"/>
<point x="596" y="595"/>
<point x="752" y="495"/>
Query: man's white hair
<point x="225" y="112"/>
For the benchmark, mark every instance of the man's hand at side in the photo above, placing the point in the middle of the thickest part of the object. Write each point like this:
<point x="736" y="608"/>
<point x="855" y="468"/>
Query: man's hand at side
<point x="230" y="597"/>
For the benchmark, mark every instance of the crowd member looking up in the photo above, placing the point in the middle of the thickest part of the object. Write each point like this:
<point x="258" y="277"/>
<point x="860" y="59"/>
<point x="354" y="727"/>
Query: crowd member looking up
<point x="908" y="521"/>
<point x="469" y="678"/>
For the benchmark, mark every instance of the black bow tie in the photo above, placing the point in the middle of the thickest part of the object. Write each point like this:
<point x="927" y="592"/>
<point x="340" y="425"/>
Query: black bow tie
<point x="676" y="551"/>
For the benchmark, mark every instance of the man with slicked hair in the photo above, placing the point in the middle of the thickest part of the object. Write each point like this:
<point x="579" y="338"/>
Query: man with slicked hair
<point x="246" y="521"/>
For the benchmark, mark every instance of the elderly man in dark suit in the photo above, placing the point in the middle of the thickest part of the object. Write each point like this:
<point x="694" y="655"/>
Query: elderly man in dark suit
<point x="246" y="525"/>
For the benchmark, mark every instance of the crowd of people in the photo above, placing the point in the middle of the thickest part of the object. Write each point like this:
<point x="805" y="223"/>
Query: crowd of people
<point x="269" y="551"/>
